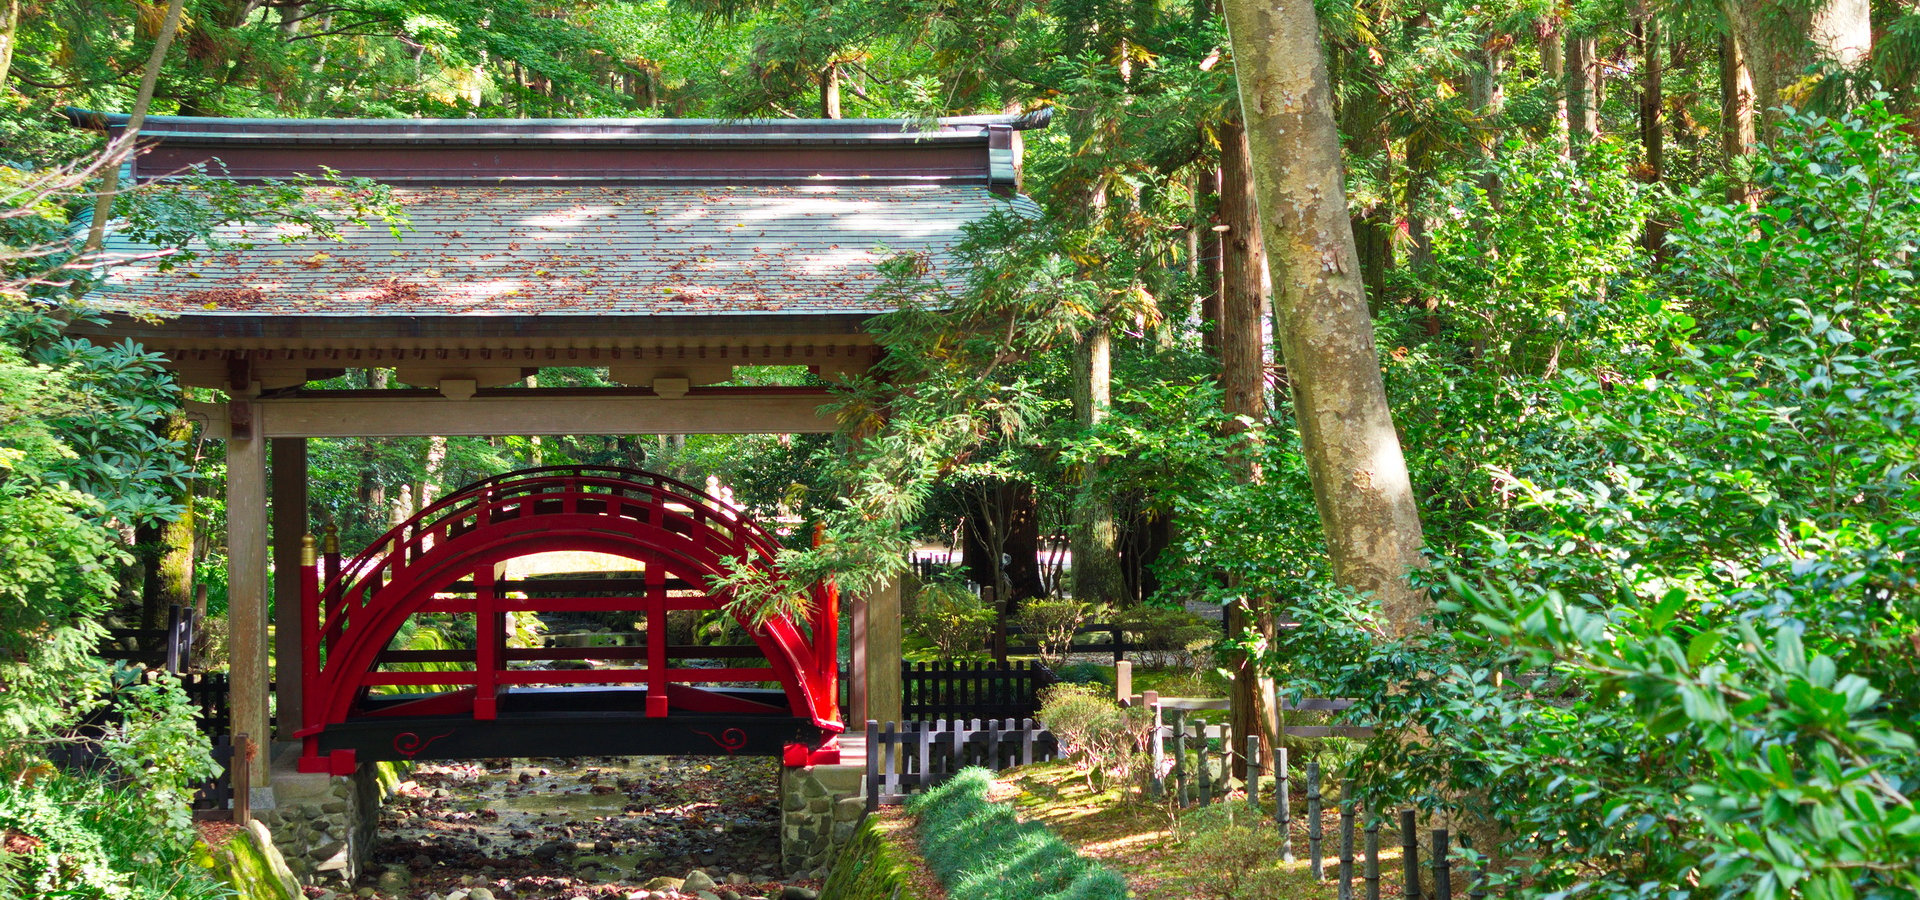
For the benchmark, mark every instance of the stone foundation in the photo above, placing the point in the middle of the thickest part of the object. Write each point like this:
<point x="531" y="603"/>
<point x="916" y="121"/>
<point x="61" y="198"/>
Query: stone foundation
<point x="323" y="824"/>
<point x="819" y="808"/>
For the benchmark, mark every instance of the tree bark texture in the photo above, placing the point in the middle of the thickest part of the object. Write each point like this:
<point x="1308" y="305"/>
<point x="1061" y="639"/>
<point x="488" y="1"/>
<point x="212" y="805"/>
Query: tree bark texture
<point x="1653" y="127"/>
<point x="1583" y="93"/>
<point x="1553" y="65"/>
<point x="1097" y="576"/>
<point x="1210" y="274"/>
<point x="1779" y="39"/>
<point x="8" y="34"/>
<point x="1736" y="114"/>
<point x="1360" y="483"/>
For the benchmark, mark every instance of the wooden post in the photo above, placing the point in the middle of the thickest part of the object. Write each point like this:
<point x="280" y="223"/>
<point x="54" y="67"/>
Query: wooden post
<point x="1283" y="802"/>
<point x="857" y="659"/>
<point x="1346" y="843"/>
<point x="1253" y="773"/>
<point x="240" y="772"/>
<point x="289" y="530"/>
<point x="1442" y="869"/>
<point x="1123" y="681"/>
<point x="1314" y="830"/>
<point x="882" y="615"/>
<point x="1410" y="855"/>
<point x="247" y="576"/>
<point x="1372" y="875"/>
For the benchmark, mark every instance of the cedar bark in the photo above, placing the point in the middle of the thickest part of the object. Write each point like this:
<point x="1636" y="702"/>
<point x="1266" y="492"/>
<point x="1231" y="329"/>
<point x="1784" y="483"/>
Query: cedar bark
<point x="1553" y="65"/>
<point x="1736" y="114"/>
<point x="1360" y="483"/>
<point x="1779" y="39"/>
<point x="1097" y="575"/>
<point x="1653" y="129"/>
<point x="1583" y="94"/>
<point x="1243" y="389"/>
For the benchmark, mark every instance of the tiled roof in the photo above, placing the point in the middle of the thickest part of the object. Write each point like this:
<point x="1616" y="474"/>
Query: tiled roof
<point x="556" y="251"/>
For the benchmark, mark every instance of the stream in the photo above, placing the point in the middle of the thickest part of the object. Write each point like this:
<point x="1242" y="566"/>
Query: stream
<point x="633" y="828"/>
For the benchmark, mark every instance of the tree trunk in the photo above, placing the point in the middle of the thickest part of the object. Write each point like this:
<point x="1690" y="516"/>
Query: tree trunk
<point x="830" y="91"/>
<point x="1243" y="389"/>
<point x="167" y="547"/>
<point x="1653" y="131"/>
<point x="1553" y="65"/>
<point x="1736" y="115"/>
<point x="8" y="31"/>
<point x="1097" y="576"/>
<point x="1363" y="121"/>
<point x="110" y="181"/>
<point x="1489" y="98"/>
<point x="1779" y="39"/>
<point x="1210" y="265"/>
<point x="1583" y="94"/>
<point x="1005" y="524"/>
<point x="1360" y="483"/>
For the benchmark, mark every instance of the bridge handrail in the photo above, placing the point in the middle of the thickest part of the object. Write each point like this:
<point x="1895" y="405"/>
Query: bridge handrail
<point x="398" y="545"/>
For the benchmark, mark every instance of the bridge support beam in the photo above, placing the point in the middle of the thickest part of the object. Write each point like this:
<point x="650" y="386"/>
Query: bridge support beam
<point x="247" y="578"/>
<point x="289" y="526"/>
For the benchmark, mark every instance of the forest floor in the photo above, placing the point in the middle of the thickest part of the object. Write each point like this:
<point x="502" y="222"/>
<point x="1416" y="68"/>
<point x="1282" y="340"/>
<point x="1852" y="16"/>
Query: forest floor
<point x="1161" y="860"/>
<point x="629" y="828"/>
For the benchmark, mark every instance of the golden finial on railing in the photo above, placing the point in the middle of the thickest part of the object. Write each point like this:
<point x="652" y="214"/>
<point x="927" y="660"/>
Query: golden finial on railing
<point x="307" y="557"/>
<point x="332" y="539"/>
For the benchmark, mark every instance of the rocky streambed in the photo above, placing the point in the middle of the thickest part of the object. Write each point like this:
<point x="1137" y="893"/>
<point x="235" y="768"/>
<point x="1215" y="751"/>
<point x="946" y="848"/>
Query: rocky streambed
<point x="634" y="828"/>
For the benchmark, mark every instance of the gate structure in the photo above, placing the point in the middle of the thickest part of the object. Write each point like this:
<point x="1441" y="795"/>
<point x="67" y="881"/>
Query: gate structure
<point x="367" y="698"/>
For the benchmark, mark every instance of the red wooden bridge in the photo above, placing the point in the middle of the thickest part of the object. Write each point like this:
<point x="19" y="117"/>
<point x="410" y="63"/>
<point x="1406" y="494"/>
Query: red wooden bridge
<point x="368" y="699"/>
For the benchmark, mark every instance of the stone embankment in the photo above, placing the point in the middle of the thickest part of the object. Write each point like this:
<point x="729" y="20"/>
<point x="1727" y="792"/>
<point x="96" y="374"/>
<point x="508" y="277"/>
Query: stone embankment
<point x="647" y="828"/>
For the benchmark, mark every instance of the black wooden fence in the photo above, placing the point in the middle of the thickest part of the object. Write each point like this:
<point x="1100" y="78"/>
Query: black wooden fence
<point x="913" y="756"/>
<point x="168" y="647"/>
<point x="936" y="691"/>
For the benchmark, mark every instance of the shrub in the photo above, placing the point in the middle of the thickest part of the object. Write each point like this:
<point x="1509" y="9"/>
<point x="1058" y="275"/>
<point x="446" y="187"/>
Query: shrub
<point x="1234" y="844"/>
<point x="954" y="620"/>
<point x="1165" y="636"/>
<point x="83" y="838"/>
<point x="1106" y="738"/>
<point x="1052" y="624"/>
<point x="982" y="851"/>
<point x="1084" y="673"/>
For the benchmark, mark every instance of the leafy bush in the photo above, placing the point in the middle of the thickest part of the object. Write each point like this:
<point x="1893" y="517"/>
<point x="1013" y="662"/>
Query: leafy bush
<point x="1687" y="669"/>
<point x="1106" y="737"/>
<point x="1237" y="846"/>
<point x="982" y="851"/>
<point x="81" y="837"/>
<point x="1052" y="624"/>
<point x="955" y="621"/>
<point x="1084" y="673"/>
<point x="1164" y="635"/>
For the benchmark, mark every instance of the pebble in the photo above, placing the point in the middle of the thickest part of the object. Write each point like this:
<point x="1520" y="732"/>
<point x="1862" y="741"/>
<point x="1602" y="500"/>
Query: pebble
<point x="796" y="892"/>
<point x="697" y="880"/>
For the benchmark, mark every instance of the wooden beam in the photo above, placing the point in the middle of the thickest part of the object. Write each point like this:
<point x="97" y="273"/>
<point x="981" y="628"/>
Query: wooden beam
<point x="882" y="614"/>
<point x="247" y="582"/>
<point x="289" y="526"/>
<point x="417" y="415"/>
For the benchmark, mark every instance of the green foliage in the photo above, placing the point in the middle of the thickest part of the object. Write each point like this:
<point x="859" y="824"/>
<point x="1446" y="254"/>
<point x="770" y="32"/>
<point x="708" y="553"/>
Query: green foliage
<point x="92" y="840"/>
<point x="954" y="620"/>
<point x="1684" y="666"/>
<point x="1166" y="635"/>
<point x="980" y="849"/>
<point x="1106" y="739"/>
<point x="1237" y="846"/>
<point x="1052" y="624"/>
<point x="1532" y="281"/>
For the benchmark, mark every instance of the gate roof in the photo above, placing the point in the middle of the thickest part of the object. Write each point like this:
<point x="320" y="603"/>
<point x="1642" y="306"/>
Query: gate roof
<point x="601" y="234"/>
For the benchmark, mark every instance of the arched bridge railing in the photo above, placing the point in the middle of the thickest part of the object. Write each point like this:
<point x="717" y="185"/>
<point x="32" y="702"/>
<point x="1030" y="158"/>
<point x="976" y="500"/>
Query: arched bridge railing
<point x="367" y="697"/>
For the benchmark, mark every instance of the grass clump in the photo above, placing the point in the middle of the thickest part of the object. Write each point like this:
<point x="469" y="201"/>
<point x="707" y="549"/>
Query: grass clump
<point x="981" y="851"/>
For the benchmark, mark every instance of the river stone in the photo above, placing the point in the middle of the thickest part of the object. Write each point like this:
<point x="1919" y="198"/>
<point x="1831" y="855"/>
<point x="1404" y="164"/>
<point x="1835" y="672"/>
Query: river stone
<point x="663" y="883"/>
<point x="392" y="881"/>
<point x="697" y="880"/>
<point x="480" y="893"/>
<point x="729" y="895"/>
<point x="849" y="809"/>
<point x="706" y="895"/>
<point x="796" y="892"/>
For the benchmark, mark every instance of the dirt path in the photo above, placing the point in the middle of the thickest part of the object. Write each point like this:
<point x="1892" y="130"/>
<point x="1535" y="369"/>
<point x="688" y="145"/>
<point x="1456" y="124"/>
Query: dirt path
<point x="629" y="828"/>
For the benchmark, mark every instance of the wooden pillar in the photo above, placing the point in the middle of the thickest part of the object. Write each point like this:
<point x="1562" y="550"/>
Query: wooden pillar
<point x="857" y="660"/>
<point x="881" y="612"/>
<point x="289" y="526"/>
<point x="247" y="575"/>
